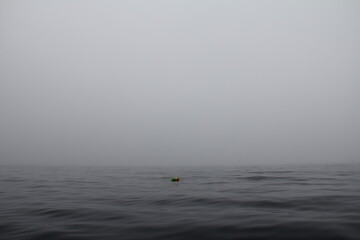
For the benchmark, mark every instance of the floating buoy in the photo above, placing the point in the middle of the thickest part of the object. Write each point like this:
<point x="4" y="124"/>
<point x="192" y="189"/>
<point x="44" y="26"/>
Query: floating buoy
<point x="175" y="179"/>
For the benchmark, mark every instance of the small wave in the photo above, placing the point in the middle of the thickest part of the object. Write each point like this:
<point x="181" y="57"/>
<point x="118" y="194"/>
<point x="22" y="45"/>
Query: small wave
<point x="312" y="203"/>
<point x="13" y="180"/>
<point x="267" y="172"/>
<point x="262" y="178"/>
<point x="39" y="186"/>
<point x="217" y="182"/>
<point x="56" y="213"/>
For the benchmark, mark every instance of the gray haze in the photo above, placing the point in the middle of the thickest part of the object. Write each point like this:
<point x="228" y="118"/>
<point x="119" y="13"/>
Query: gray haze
<point x="179" y="82"/>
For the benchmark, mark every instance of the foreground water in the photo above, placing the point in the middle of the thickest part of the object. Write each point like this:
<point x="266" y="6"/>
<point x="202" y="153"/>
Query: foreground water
<point x="272" y="202"/>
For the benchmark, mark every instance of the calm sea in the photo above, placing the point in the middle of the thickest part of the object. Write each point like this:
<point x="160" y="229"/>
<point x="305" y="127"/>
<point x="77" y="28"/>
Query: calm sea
<point x="263" y="202"/>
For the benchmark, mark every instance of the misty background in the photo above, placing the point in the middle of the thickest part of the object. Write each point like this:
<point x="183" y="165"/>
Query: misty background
<point x="179" y="82"/>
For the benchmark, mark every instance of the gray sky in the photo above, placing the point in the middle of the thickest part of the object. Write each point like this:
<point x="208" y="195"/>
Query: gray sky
<point x="179" y="82"/>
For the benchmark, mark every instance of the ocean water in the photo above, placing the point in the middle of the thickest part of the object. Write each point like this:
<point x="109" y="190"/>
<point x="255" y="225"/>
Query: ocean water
<point x="253" y="202"/>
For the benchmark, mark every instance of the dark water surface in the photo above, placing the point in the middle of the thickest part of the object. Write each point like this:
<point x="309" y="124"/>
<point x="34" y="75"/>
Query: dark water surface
<point x="277" y="202"/>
